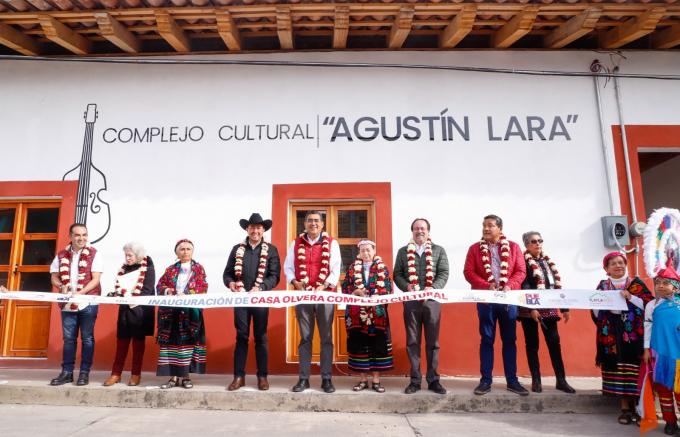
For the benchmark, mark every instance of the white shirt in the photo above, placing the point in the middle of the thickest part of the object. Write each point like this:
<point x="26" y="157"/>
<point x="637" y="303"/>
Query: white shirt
<point x="335" y="263"/>
<point x="183" y="277"/>
<point x="420" y="249"/>
<point x="649" y="319"/>
<point x="96" y="267"/>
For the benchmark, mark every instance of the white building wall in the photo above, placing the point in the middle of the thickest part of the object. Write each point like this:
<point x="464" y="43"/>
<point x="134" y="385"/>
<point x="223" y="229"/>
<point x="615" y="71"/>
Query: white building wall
<point x="160" y="192"/>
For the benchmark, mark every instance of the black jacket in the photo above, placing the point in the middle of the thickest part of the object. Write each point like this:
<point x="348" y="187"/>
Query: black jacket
<point x="251" y="259"/>
<point x="138" y="322"/>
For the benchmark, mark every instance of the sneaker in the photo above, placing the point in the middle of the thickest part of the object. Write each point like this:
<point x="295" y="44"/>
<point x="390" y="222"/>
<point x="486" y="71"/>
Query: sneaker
<point x="482" y="389"/>
<point x="516" y="387"/>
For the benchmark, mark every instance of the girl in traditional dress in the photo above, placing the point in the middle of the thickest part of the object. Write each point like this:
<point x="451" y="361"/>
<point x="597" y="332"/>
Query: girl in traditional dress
<point x="181" y="331"/>
<point x="662" y="342"/>
<point x="368" y="328"/>
<point x="620" y="336"/>
<point x="136" y="277"/>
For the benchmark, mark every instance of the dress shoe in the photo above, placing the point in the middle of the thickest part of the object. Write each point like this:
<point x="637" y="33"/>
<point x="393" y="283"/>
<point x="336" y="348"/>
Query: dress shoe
<point x="63" y="378"/>
<point x="83" y="378"/>
<point x="302" y="385"/>
<point x="327" y="385"/>
<point x="262" y="383"/>
<point x="113" y="379"/>
<point x="238" y="382"/>
<point x="517" y="388"/>
<point x="563" y="386"/>
<point x="436" y="387"/>
<point x="412" y="388"/>
<point x="482" y="389"/>
<point x="670" y="428"/>
<point x="536" y="385"/>
<point x="134" y="380"/>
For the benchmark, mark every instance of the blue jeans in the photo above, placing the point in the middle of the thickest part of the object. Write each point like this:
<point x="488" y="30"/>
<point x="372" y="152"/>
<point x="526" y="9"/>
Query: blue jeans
<point x="71" y="322"/>
<point x="506" y="316"/>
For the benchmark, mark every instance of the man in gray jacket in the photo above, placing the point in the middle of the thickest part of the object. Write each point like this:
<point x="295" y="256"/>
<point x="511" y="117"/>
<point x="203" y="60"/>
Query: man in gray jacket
<point x="422" y="265"/>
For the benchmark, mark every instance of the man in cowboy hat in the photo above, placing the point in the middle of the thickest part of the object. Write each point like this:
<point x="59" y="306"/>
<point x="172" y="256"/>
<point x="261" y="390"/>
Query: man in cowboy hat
<point x="253" y="266"/>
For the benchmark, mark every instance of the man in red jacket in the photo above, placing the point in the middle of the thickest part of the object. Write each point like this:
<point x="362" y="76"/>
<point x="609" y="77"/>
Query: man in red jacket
<point x="495" y="263"/>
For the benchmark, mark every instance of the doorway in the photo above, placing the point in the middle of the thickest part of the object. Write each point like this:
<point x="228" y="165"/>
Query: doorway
<point x="348" y="223"/>
<point x="660" y="176"/>
<point x="354" y="210"/>
<point x="28" y="243"/>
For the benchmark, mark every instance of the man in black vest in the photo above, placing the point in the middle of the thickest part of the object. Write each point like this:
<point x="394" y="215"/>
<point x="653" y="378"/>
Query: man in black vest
<point x="253" y="266"/>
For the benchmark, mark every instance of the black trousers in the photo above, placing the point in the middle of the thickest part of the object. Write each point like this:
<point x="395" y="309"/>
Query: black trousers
<point x="242" y="318"/>
<point x="552" y="339"/>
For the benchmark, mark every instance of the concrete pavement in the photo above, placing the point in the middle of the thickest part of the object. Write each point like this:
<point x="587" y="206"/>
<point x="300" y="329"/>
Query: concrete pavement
<point x="32" y="420"/>
<point x="30" y="387"/>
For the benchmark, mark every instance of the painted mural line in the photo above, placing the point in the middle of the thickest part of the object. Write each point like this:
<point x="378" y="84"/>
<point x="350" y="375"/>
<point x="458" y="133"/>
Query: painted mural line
<point x="575" y="299"/>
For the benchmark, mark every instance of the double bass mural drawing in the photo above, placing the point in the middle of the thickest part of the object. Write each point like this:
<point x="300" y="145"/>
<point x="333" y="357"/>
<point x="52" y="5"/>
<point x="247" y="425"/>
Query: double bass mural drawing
<point x="91" y="209"/>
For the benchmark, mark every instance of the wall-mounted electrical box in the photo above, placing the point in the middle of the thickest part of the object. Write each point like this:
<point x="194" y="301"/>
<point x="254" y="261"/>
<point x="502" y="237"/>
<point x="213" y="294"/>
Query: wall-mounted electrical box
<point x="615" y="230"/>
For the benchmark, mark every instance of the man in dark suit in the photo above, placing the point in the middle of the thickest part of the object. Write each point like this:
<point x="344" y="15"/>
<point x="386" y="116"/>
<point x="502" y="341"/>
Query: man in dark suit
<point x="253" y="266"/>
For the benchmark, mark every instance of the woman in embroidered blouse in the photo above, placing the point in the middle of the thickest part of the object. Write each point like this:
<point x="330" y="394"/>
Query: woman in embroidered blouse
<point x="136" y="277"/>
<point x="620" y="336"/>
<point x="368" y="328"/>
<point x="181" y="331"/>
<point x="542" y="274"/>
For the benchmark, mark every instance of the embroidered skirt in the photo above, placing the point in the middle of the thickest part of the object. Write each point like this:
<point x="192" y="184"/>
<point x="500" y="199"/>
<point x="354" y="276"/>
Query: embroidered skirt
<point x="369" y="352"/>
<point x="180" y="360"/>
<point x="181" y="338"/>
<point x="621" y="381"/>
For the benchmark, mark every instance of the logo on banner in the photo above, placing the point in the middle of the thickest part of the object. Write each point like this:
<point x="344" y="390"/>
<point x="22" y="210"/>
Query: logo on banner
<point x="471" y="298"/>
<point x="532" y="299"/>
<point x="600" y="299"/>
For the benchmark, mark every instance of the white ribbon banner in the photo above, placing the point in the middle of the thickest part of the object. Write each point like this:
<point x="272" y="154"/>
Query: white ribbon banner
<point x="534" y="299"/>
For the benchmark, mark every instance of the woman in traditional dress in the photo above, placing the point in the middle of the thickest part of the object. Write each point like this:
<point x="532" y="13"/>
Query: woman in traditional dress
<point x="620" y="336"/>
<point x="368" y="328"/>
<point x="181" y="331"/>
<point x="136" y="277"/>
<point x="542" y="274"/>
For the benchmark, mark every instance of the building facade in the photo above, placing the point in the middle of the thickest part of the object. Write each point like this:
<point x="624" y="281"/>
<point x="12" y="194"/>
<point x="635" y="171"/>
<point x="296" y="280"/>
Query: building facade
<point x="184" y="151"/>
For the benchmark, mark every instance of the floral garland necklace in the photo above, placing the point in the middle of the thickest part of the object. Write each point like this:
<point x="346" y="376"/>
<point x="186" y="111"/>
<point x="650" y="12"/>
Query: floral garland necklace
<point x="505" y="257"/>
<point x="325" y="261"/>
<point x="359" y="279"/>
<point x="411" y="264"/>
<point x="261" y="265"/>
<point x="367" y="316"/>
<point x="65" y="270"/>
<point x="119" y="291"/>
<point x="538" y="273"/>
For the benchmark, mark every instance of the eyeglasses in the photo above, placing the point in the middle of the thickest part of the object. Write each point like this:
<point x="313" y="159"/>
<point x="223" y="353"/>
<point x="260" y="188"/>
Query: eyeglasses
<point x="539" y="241"/>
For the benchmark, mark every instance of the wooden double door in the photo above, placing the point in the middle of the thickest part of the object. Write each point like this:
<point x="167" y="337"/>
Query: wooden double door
<point x="28" y="238"/>
<point x="348" y="223"/>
